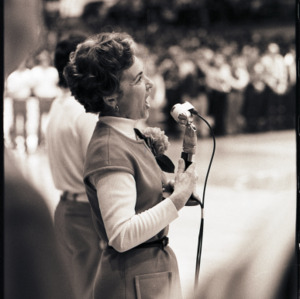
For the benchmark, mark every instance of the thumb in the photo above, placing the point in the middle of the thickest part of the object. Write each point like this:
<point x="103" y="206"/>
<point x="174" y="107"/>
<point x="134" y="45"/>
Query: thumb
<point x="181" y="166"/>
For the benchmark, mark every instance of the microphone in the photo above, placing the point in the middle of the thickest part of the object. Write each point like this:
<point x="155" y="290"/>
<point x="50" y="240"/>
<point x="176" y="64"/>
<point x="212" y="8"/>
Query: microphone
<point x="183" y="114"/>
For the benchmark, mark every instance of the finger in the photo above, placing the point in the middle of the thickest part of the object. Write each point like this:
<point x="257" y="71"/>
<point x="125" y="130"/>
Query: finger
<point x="181" y="166"/>
<point x="164" y="178"/>
<point x="172" y="183"/>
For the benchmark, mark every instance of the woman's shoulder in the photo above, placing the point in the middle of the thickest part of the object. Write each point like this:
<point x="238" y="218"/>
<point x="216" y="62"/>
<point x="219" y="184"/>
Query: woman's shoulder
<point x="107" y="141"/>
<point x="107" y="150"/>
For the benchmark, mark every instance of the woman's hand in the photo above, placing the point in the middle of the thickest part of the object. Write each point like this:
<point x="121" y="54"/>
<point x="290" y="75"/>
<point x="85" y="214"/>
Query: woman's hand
<point x="184" y="185"/>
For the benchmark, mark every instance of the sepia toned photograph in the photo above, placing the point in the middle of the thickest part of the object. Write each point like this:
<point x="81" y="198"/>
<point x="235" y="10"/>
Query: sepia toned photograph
<point x="150" y="149"/>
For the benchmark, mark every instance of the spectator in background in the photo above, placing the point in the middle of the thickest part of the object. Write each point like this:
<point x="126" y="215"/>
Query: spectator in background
<point x="193" y="91"/>
<point x="276" y="79"/>
<point x="169" y="68"/>
<point x="289" y="98"/>
<point x="44" y="80"/>
<point x="254" y="108"/>
<point x="239" y="79"/>
<point x="68" y="134"/>
<point x="18" y="89"/>
<point x="217" y="79"/>
<point x="275" y="69"/>
<point x="203" y="58"/>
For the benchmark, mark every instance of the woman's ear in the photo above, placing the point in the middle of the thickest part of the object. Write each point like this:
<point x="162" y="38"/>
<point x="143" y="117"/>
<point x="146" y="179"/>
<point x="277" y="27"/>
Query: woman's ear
<point x="111" y="100"/>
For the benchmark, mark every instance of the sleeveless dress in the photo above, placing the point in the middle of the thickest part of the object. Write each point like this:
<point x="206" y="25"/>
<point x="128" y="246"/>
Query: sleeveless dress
<point x="150" y="272"/>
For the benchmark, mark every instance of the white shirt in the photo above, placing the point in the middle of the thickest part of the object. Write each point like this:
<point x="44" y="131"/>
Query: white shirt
<point x="18" y="84"/>
<point x="68" y="133"/>
<point x="44" y="80"/>
<point x="124" y="228"/>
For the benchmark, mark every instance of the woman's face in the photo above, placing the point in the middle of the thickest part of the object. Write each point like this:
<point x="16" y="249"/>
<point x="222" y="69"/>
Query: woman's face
<point x="135" y="86"/>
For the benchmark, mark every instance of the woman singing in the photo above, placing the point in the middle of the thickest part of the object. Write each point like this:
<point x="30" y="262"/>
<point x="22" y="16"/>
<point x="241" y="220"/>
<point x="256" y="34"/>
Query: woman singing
<point x="123" y="180"/>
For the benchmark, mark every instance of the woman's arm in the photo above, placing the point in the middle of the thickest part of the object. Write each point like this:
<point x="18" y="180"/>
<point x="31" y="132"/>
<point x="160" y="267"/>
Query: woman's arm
<point x="124" y="228"/>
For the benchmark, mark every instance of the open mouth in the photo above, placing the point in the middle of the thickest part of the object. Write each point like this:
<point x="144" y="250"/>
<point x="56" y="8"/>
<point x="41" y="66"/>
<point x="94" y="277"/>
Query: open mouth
<point x="147" y="104"/>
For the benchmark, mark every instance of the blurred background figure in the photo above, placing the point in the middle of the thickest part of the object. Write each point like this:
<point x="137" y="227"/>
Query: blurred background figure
<point x="67" y="136"/>
<point x="169" y="69"/>
<point x="254" y="108"/>
<point x="290" y="62"/>
<point x="44" y="84"/>
<point x="275" y="75"/>
<point x="33" y="266"/>
<point x="32" y="262"/>
<point x="238" y="79"/>
<point x="18" y="91"/>
<point x="218" y="75"/>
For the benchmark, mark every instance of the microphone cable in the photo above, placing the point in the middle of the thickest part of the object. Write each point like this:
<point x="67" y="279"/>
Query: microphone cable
<point x="200" y="237"/>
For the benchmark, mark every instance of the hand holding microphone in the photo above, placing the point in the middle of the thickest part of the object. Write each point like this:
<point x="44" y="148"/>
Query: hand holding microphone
<point x="184" y="184"/>
<point x="189" y="145"/>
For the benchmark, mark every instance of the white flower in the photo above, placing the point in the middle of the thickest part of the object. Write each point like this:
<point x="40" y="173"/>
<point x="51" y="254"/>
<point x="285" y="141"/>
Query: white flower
<point x="159" y="141"/>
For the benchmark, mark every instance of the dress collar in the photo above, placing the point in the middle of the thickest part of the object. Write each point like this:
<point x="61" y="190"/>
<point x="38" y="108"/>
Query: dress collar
<point x="123" y="125"/>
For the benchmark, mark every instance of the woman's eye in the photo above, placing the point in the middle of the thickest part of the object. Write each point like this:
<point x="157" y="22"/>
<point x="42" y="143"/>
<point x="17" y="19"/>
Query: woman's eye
<point x="139" y="79"/>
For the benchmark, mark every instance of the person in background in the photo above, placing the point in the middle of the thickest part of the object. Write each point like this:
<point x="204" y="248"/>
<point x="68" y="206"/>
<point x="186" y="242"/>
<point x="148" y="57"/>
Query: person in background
<point x="276" y="80"/>
<point x="18" y="89"/>
<point x="67" y="136"/>
<point x="44" y="81"/>
<point x="289" y="98"/>
<point x="123" y="181"/>
<point x="169" y="68"/>
<point x="255" y="102"/>
<point x="32" y="262"/>
<point x="193" y="91"/>
<point x="239" y="80"/>
<point x="217" y="76"/>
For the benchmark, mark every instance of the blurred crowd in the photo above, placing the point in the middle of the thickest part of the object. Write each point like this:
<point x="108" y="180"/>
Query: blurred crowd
<point x="238" y="86"/>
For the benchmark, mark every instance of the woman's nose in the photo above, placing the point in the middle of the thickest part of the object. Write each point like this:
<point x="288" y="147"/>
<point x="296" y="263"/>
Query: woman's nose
<point x="149" y="83"/>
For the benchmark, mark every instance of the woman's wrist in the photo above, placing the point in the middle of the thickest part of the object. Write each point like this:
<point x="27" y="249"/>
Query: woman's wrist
<point x="177" y="200"/>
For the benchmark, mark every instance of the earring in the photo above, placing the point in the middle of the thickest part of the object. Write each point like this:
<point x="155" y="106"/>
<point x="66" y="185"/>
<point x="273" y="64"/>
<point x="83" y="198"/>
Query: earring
<point x="116" y="108"/>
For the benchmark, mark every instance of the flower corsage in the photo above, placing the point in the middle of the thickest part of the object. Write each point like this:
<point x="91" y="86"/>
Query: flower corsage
<point x="158" y="142"/>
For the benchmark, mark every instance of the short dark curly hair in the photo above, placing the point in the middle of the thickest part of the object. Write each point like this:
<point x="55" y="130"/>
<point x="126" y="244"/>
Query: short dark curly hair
<point x="96" y="67"/>
<point x="62" y="52"/>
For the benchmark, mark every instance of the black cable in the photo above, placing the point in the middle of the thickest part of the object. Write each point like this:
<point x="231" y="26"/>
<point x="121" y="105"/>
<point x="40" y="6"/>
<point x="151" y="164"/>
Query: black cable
<point x="200" y="237"/>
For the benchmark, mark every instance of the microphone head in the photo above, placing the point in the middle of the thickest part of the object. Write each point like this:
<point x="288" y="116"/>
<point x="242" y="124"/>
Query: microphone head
<point x="182" y="113"/>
